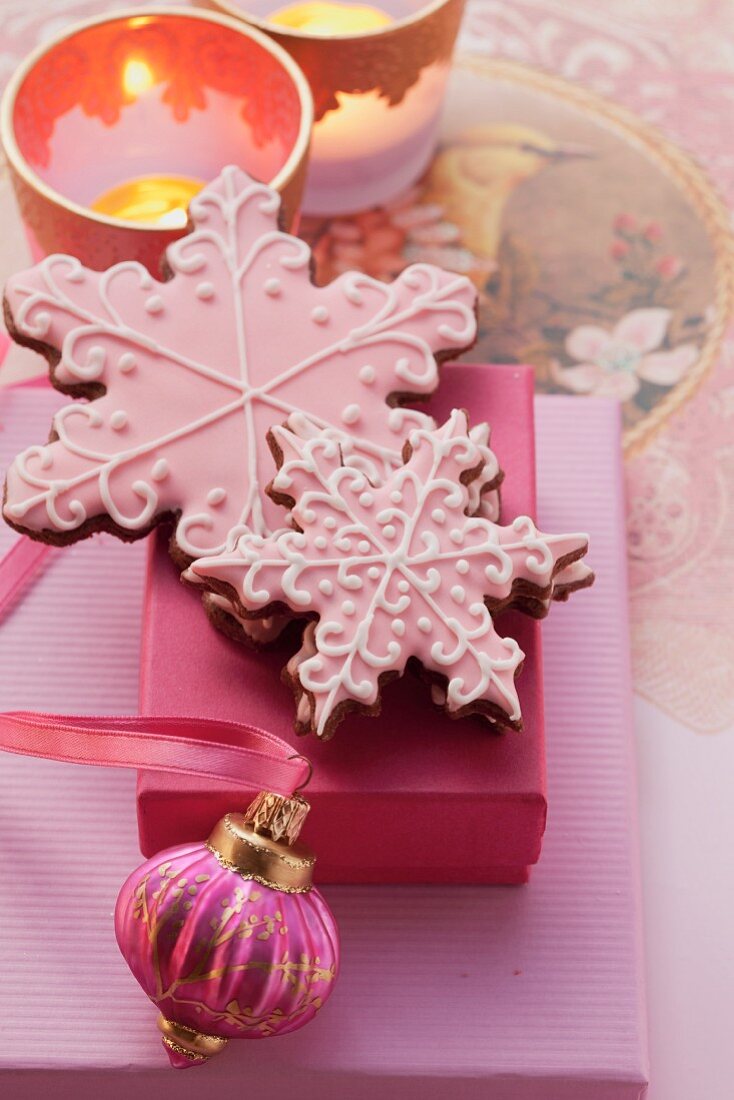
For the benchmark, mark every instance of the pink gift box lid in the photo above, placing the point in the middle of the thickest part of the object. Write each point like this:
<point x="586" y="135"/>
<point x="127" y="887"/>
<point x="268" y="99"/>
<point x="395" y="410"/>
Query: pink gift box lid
<point x="383" y="786"/>
<point x="532" y="993"/>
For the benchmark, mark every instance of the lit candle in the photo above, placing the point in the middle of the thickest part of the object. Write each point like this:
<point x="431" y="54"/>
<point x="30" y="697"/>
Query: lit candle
<point x="325" y="18"/>
<point x="378" y="73"/>
<point x="152" y="200"/>
<point x="106" y="161"/>
<point x="350" y="143"/>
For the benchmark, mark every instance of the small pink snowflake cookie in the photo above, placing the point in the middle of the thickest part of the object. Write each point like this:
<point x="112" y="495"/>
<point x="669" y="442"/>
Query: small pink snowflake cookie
<point x="484" y="499"/>
<point x="394" y="572"/>
<point x="185" y="377"/>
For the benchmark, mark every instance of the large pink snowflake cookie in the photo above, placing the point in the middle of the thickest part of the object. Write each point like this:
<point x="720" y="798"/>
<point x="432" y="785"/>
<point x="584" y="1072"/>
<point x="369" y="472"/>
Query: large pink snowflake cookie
<point x="185" y="377"/>
<point x="394" y="573"/>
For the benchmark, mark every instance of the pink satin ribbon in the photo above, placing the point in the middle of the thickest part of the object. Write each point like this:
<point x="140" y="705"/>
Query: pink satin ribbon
<point x="226" y="752"/>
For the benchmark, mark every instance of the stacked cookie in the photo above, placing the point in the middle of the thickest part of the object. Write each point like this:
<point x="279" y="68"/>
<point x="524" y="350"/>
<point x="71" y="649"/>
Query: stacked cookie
<point x="266" y="418"/>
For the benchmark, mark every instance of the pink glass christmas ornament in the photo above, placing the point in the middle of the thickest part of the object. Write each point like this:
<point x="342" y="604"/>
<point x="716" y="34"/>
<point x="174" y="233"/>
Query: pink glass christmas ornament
<point x="229" y="938"/>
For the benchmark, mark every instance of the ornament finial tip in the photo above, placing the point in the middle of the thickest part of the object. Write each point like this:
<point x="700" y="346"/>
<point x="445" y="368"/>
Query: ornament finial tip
<point x="185" y="1046"/>
<point x="179" y="1060"/>
<point x="277" y="817"/>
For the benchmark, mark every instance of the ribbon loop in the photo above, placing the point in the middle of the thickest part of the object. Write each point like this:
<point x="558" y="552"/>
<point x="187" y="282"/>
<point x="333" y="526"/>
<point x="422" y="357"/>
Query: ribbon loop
<point x="219" y="751"/>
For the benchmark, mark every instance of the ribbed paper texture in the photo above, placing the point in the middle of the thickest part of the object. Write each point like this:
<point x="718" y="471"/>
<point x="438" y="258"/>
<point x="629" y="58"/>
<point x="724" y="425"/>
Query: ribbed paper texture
<point x="529" y="993"/>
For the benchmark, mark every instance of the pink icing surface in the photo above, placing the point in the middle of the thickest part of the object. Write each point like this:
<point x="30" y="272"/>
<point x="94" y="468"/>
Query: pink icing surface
<point x="195" y="371"/>
<point x="222" y="954"/>
<point x="393" y="572"/>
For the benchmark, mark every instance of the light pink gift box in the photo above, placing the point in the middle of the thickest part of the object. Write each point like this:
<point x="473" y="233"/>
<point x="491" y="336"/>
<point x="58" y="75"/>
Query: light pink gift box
<point x="383" y="787"/>
<point x="531" y="993"/>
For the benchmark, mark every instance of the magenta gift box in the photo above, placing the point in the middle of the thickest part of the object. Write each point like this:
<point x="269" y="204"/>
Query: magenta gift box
<point x="446" y="991"/>
<point x="383" y="787"/>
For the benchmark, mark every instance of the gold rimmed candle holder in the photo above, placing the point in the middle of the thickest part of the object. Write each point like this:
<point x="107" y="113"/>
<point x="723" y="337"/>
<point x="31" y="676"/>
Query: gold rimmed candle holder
<point x="111" y="127"/>
<point x="378" y="75"/>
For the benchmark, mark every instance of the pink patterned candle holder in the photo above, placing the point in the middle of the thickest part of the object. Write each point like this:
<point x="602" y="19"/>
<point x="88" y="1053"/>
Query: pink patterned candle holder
<point x="378" y="74"/>
<point x="110" y="128"/>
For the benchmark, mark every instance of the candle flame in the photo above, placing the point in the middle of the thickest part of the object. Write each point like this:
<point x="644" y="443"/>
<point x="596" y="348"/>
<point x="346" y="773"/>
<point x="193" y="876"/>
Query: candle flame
<point x="326" y="18"/>
<point x="137" y="77"/>
<point x="152" y="200"/>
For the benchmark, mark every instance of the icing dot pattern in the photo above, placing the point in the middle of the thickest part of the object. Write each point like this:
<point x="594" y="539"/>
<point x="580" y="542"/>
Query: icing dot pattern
<point x="154" y="304"/>
<point x="160" y="470"/>
<point x="126" y="363"/>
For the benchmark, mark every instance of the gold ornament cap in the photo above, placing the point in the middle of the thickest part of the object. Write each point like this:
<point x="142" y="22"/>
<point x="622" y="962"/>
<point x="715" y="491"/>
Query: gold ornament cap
<point x="261" y="843"/>
<point x="196" y="1046"/>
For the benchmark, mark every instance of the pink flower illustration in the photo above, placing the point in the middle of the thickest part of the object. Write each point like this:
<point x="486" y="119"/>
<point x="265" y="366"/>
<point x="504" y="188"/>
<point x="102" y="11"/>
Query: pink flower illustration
<point x="669" y="267"/>
<point x="612" y="364"/>
<point x="624" y="223"/>
<point x="653" y="232"/>
<point x="618" y="250"/>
